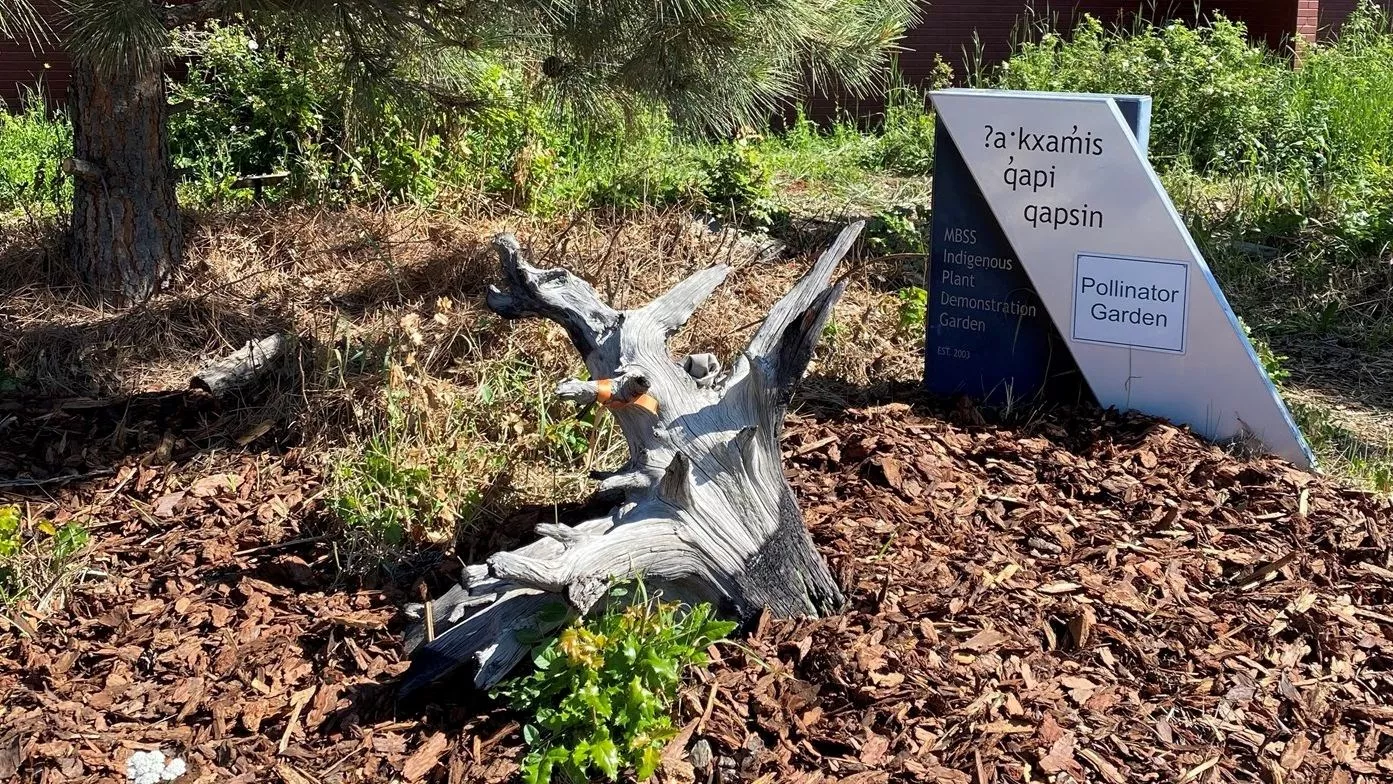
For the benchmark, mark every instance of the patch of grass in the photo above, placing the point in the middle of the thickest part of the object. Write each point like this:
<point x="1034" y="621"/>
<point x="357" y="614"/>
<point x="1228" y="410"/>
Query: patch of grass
<point x="37" y="557"/>
<point x="1347" y="90"/>
<point x="1342" y="450"/>
<point x="450" y="440"/>
<point x="1297" y="259"/>
<point x="599" y="701"/>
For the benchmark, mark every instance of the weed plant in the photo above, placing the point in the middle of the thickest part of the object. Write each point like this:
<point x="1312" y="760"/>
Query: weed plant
<point x="599" y="700"/>
<point x="37" y="557"/>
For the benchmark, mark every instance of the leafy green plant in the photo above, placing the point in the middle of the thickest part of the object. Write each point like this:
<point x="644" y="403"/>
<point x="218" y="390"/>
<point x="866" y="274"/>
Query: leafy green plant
<point x="599" y="700"/>
<point x="32" y="145"/>
<point x="914" y="303"/>
<point x="1272" y="362"/>
<point x="739" y="184"/>
<point x="381" y="495"/>
<point x="36" y="555"/>
<point x="10" y="540"/>
<point x="897" y="231"/>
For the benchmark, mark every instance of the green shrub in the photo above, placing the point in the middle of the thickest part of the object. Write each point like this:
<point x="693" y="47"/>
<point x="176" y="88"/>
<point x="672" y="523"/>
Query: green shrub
<point x="274" y="100"/>
<point x="246" y="107"/>
<point x="599" y="701"/>
<point x="1222" y="103"/>
<point x="567" y="164"/>
<point x="739" y="184"/>
<point x="32" y="145"/>
<point x="254" y="104"/>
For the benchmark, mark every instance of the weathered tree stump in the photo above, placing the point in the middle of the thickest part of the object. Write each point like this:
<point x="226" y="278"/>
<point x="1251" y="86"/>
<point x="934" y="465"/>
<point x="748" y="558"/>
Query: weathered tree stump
<point x="706" y="515"/>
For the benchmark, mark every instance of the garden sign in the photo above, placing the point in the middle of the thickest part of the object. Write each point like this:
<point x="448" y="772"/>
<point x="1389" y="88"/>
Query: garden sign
<point x="1059" y="267"/>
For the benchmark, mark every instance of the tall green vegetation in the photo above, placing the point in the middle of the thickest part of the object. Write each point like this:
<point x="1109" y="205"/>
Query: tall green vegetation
<point x="1223" y="104"/>
<point x="31" y="146"/>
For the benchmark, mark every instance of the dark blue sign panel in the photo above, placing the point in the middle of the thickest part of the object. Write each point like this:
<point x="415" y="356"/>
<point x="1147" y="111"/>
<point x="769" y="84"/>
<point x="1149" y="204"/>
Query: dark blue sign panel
<point x="989" y="336"/>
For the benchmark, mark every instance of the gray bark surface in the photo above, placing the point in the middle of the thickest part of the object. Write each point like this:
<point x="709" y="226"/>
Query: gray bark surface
<point x="243" y="367"/>
<point x="706" y="514"/>
<point x="126" y="236"/>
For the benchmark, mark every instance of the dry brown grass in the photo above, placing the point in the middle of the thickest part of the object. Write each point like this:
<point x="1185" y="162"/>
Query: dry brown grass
<point x="340" y="276"/>
<point x="402" y="356"/>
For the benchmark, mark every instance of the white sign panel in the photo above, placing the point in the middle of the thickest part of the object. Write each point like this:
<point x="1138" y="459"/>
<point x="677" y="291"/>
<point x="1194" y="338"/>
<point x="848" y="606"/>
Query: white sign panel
<point x="1114" y="264"/>
<point x="1138" y="303"/>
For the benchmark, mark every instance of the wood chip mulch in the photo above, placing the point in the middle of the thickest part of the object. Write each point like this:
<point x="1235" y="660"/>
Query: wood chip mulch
<point x="1087" y="598"/>
<point x="1090" y="600"/>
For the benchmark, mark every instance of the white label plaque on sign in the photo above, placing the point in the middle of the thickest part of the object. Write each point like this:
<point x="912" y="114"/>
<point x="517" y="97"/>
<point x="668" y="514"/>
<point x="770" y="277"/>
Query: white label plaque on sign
<point x="1131" y="302"/>
<point x="1114" y="264"/>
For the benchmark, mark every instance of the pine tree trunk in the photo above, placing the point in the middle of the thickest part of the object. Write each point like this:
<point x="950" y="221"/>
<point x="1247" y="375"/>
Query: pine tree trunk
<point x="126" y="235"/>
<point x="706" y="516"/>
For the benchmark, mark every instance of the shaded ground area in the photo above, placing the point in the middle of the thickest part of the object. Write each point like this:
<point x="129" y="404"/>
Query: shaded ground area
<point x="1099" y="598"/>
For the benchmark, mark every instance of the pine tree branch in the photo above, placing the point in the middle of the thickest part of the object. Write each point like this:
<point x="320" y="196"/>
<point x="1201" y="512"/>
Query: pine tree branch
<point x="19" y="20"/>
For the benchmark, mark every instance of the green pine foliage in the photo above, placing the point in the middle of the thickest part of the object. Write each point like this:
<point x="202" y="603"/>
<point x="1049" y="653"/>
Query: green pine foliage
<point x="709" y="65"/>
<point x="599" y="701"/>
<point x="19" y="20"/>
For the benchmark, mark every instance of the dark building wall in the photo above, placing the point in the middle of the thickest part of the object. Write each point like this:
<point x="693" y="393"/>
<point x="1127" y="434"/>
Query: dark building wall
<point x="24" y="64"/>
<point x="1330" y="13"/>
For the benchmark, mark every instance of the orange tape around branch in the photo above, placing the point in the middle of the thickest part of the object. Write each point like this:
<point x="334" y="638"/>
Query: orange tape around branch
<point x="604" y="394"/>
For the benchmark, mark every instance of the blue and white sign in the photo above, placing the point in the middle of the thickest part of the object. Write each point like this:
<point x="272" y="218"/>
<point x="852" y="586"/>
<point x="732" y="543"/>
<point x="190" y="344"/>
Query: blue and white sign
<point x="1111" y="264"/>
<point x="988" y="335"/>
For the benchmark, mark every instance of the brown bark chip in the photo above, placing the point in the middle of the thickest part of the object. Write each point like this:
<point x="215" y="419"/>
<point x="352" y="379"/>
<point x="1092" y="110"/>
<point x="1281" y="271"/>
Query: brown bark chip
<point x="1093" y="598"/>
